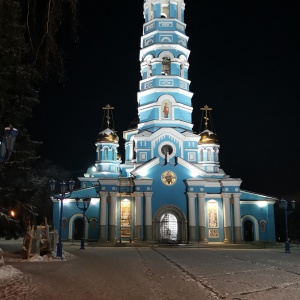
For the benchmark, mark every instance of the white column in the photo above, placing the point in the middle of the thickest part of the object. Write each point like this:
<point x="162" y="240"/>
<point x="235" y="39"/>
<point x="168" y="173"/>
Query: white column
<point x="226" y="217"/>
<point x="237" y="217"/>
<point x="192" y="216"/>
<point x="202" y="219"/>
<point x="103" y="219"/>
<point x="148" y="216"/>
<point x="113" y="217"/>
<point x="138" y="215"/>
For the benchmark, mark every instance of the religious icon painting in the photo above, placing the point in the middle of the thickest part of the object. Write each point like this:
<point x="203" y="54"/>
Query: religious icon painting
<point x="166" y="110"/>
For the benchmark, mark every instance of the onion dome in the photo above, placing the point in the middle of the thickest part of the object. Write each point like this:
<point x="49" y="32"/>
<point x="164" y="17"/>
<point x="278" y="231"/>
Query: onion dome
<point x="107" y="136"/>
<point x="208" y="137"/>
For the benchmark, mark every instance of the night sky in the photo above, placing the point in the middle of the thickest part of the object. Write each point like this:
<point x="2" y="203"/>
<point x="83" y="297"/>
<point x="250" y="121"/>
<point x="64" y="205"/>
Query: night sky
<point x="244" y="63"/>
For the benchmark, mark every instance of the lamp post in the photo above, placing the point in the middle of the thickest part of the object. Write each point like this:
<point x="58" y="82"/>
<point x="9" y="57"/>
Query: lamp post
<point x="285" y="205"/>
<point x="61" y="197"/>
<point x="7" y="143"/>
<point x="86" y="201"/>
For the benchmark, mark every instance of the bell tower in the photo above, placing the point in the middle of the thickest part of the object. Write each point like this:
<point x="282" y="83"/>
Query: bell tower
<point x="164" y="97"/>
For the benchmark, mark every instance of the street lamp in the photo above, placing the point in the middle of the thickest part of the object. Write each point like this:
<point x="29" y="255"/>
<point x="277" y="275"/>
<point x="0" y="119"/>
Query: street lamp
<point x="7" y="142"/>
<point x="61" y="197"/>
<point x="285" y="205"/>
<point x="86" y="201"/>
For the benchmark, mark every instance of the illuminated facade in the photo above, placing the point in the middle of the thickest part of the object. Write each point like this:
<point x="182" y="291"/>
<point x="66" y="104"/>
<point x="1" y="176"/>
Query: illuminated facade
<point x="170" y="187"/>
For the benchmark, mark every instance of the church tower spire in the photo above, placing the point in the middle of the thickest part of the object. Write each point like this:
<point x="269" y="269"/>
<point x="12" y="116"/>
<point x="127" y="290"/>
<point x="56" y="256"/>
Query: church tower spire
<point x="208" y="145"/>
<point x="164" y="98"/>
<point x="107" y="158"/>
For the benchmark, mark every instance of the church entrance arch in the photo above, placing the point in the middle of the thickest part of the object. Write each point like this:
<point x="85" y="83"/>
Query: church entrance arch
<point x="248" y="231"/>
<point x="169" y="225"/>
<point x="78" y="229"/>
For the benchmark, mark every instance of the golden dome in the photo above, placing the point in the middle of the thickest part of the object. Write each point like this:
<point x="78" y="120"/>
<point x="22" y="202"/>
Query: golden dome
<point x="107" y="136"/>
<point x="208" y="137"/>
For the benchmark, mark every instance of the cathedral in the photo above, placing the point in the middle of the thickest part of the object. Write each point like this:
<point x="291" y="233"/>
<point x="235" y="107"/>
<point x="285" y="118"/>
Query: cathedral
<point x="170" y="187"/>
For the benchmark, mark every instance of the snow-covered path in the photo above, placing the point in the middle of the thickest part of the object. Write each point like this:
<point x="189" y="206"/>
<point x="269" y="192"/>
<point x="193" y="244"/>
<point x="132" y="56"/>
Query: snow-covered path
<point x="159" y="273"/>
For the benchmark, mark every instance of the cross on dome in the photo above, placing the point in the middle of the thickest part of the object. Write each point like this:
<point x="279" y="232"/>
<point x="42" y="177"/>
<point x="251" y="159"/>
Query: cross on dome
<point x="206" y="108"/>
<point x="108" y="108"/>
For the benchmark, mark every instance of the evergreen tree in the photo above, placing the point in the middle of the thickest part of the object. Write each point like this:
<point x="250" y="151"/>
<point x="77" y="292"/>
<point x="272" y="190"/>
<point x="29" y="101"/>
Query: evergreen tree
<point x="29" y="54"/>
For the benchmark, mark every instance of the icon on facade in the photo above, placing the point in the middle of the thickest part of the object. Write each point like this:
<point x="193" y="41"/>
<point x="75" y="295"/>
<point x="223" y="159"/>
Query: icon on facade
<point x="168" y="177"/>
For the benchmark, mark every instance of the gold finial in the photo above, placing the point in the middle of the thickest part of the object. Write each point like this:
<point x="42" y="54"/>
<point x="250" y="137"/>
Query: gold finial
<point x="108" y="108"/>
<point x="206" y="108"/>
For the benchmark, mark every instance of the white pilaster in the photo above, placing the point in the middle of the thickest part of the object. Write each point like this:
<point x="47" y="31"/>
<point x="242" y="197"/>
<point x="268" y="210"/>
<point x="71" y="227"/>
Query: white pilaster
<point x="148" y="216"/>
<point x="192" y="216"/>
<point x="138" y="215"/>
<point x="113" y="217"/>
<point x="237" y="217"/>
<point x="226" y="216"/>
<point x="103" y="201"/>
<point x="202" y="219"/>
<point x="103" y="218"/>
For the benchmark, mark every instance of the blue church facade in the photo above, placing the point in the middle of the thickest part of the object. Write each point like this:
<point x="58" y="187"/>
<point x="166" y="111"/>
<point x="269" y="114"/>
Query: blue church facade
<point x="170" y="187"/>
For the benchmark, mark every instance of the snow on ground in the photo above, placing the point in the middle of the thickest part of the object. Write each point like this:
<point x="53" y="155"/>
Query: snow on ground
<point x="7" y="272"/>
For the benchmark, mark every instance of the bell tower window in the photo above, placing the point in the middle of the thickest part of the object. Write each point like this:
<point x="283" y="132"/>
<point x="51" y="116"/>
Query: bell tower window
<point x="166" y="66"/>
<point x="165" y="11"/>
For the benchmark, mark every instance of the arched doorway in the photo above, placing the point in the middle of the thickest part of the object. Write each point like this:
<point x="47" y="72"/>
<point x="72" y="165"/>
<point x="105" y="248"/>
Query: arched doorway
<point x="78" y="229"/>
<point x="169" y="225"/>
<point x="248" y="231"/>
<point x="168" y="228"/>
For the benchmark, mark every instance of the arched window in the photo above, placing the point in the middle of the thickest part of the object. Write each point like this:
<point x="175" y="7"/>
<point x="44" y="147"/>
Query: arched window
<point x="166" y="66"/>
<point x="216" y="155"/>
<point x="209" y="154"/>
<point x="105" y="153"/>
<point x="183" y="61"/>
<point x="165" y="11"/>
<point x="201" y="155"/>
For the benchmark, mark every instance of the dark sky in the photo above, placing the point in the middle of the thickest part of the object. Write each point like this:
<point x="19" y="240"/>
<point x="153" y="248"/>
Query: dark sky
<point x="244" y="63"/>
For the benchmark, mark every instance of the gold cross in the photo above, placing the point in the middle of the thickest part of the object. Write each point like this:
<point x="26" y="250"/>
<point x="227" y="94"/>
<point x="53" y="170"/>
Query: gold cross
<point x="108" y="108"/>
<point x="206" y="108"/>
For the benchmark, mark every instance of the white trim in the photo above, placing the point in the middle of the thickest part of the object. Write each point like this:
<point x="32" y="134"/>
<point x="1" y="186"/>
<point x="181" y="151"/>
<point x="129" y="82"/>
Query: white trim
<point x="256" y="201"/>
<point x="162" y="47"/>
<point x="165" y="20"/>
<point x="261" y="195"/>
<point x="210" y="197"/>
<point x="231" y="182"/>
<point x="143" y="181"/>
<point x="190" y="167"/>
<point x="146" y="166"/>
<point x="175" y="90"/>
<point x="159" y="123"/>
